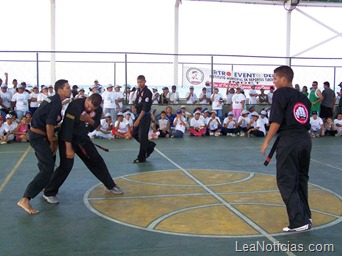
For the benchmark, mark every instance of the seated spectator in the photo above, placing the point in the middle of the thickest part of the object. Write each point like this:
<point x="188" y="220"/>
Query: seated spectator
<point x="191" y="97"/>
<point x="164" y="125"/>
<point x="317" y="125"/>
<point x="170" y="116"/>
<point x="329" y="128"/>
<point x="243" y="122"/>
<point x="153" y="133"/>
<point x="122" y="129"/>
<point x="197" y="125"/>
<point x="264" y="119"/>
<point x="21" y="131"/>
<point x="205" y="116"/>
<point x="130" y="118"/>
<point x="251" y="109"/>
<point x="229" y="94"/>
<point x="214" y="125"/>
<point x="164" y="98"/>
<point x="256" y="127"/>
<point x="203" y="99"/>
<point x="155" y="95"/>
<point x="263" y="98"/>
<point x="338" y="124"/>
<point x="229" y="126"/>
<point x="105" y="128"/>
<point x="186" y="115"/>
<point x="7" y="130"/>
<point x="174" y="95"/>
<point x="180" y="124"/>
<point x="28" y="116"/>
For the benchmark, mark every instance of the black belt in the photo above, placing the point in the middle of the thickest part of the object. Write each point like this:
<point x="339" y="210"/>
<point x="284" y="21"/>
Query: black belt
<point x="273" y="149"/>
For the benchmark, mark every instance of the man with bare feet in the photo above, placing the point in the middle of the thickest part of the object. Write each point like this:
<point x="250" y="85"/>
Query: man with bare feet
<point x="44" y="142"/>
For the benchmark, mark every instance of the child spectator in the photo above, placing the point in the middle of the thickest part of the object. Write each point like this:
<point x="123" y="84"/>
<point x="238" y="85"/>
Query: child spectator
<point x="203" y="99"/>
<point x="129" y="117"/>
<point x="214" y="125"/>
<point x="256" y="127"/>
<point x="317" y="126"/>
<point x="338" y="124"/>
<point x="229" y="126"/>
<point x="180" y="124"/>
<point x="197" y="125"/>
<point x="122" y="129"/>
<point x="205" y="116"/>
<point x="164" y="125"/>
<point x="153" y="133"/>
<point x="264" y="119"/>
<point x="7" y="130"/>
<point x="329" y="128"/>
<point x="242" y="123"/>
<point x="21" y="131"/>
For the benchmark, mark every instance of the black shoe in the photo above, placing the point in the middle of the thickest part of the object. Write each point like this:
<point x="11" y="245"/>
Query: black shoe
<point x="150" y="149"/>
<point x="137" y="161"/>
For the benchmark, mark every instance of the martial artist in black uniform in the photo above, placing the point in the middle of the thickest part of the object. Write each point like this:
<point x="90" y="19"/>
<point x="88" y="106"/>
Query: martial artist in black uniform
<point x="82" y="116"/>
<point x="143" y="105"/>
<point x="290" y="117"/>
<point x="44" y="142"/>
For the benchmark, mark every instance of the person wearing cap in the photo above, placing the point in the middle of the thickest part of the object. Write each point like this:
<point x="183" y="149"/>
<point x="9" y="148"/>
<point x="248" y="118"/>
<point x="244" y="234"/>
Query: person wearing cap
<point x="290" y="118"/>
<point x="270" y="95"/>
<point x="119" y="98"/>
<point x="317" y="125"/>
<point x="238" y="103"/>
<point x="256" y="127"/>
<point x="44" y="142"/>
<point x="143" y="105"/>
<point x="81" y="117"/>
<point x="229" y="127"/>
<point x="263" y="98"/>
<point x="132" y="95"/>
<point x="214" y="125"/>
<point x="197" y="125"/>
<point x="42" y="95"/>
<point x="217" y="103"/>
<point x="242" y="123"/>
<point x="338" y="124"/>
<point x="155" y="96"/>
<point x="80" y="94"/>
<point x="315" y="97"/>
<point x="203" y="97"/>
<point x="174" y="95"/>
<point x="164" y="125"/>
<point x="7" y="130"/>
<point x="180" y="124"/>
<point x="104" y="130"/>
<point x="264" y="119"/>
<point x="164" y="97"/>
<point x="185" y="113"/>
<point x="191" y="97"/>
<point x="122" y="129"/>
<point x="229" y="95"/>
<point x="5" y="100"/>
<point x="33" y="99"/>
<point x="253" y="95"/>
<point x="108" y="100"/>
<point x="20" y="101"/>
<point x="92" y="90"/>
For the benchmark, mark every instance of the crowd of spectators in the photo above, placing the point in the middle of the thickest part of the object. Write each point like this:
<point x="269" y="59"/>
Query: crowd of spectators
<point x="18" y="104"/>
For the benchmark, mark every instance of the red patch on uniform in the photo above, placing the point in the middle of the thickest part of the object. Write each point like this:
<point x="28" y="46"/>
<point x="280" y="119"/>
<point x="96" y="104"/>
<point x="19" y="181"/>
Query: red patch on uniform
<point x="301" y="113"/>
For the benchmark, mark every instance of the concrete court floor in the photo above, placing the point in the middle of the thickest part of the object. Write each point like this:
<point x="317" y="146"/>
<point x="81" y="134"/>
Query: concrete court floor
<point x="70" y="228"/>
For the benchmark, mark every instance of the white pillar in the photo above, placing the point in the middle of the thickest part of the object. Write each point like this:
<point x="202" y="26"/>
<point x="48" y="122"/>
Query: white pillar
<point x="176" y="32"/>
<point x="53" y="42"/>
<point x="288" y="37"/>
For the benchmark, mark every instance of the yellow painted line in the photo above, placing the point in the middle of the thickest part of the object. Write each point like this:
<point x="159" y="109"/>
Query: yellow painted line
<point x="9" y="176"/>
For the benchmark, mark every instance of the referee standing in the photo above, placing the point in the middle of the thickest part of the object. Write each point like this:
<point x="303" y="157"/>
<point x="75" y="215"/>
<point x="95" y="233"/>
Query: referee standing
<point x="141" y="125"/>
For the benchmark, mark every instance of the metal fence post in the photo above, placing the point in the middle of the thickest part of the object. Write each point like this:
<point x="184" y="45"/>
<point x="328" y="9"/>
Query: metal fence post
<point x="37" y="68"/>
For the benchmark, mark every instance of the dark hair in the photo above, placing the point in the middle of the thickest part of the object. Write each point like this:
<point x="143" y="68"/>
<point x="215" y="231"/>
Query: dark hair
<point x="141" y="77"/>
<point x="60" y="84"/>
<point x="284" y="71"/>
<point x="163" y="112"/>
<point x="95" y="99"/>
<point x="327" y="83"/>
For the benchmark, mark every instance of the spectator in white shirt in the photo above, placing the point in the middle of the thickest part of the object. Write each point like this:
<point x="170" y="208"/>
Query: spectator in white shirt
<point x="238" y="103"/>
<point x="119" y="98"/>
<point x="191" y="97"/>
<point x="122" y="128"/>
<point x="338" y="124"/>
<point x="21" y="101"/>
<point x="33" y="99"/>
<point x="164" y="125"/>
<point x="270" y="95"/>
<point x="180" y="124"/>
<point x="256" y="127"/>
<point x="317" y="125"/>
<point x="197" y="125"/>
<point x="229" y="94"/>
<point x="214" y="125"/>
<point x="243" y="122"/>
<point x="155" y="96"/>
<point x="253" y="95"/>
<point x="264" y="119"/>
<point x="7" y="130"/>
<point x="5" y="100"/>
<point x="51" y="91"/>
<point x="108" y="100"/>
<point x="217" y="103"/>
<point x="229" y="126"/>
<point x="203" y="98"/>
<point x="174" y="95"/>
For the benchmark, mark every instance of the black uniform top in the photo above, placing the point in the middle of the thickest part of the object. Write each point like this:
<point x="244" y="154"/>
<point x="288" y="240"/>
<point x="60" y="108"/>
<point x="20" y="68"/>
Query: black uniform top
<point x="73" y="129"/>
<point x="143" y="100"/>
<point x="291" y="109"/>
<point x="49" y="112"/>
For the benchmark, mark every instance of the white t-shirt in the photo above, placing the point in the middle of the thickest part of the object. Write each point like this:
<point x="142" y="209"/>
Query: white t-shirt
<point x="6" y="98"/>
<point x="259" y="124"/>
<point x="192" y="98"/>
<point x="41" y="97"/>
<point x="264" y="120"/>
<point x="174" y="97"/>
<point x="21" y="100"/>
<point x="316" y="124"/>
<point x="244" y="121"/>
<point x="117" y="96"/>
<point x="34" y="104"/>
<point x="179" y="125"/>
<point x="204" y="101"/>
<point x="108" y="99"/>
<point x="231" y="124"/>
<point x="230" y="97"/>
<point x="163" y="123"/>
<point x="8" y="128"/>
<point x="154" y="96"/>
<point x="197" y="123"/>
<point x="270" y="97"/>
<point x="214" y="124"/>
<point x="253" y="99"/>
<point x="122" y="126"/>
<point x="104" y="125"/>
<point x="132" y="97"/>
<point x="237" y="100"/>
<point x="216" y="104"/>
<point x="336" y="121"/>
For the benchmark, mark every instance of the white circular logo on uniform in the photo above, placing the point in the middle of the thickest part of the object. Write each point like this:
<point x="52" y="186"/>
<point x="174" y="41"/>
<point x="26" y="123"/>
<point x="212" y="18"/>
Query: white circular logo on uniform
<point x="301" y="113"/>
<point x="195" y="76"/>
<point x="147" y="99"/>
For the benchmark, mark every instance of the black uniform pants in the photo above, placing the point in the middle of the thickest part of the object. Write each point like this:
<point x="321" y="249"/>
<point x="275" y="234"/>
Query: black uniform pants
<point x="140" y="134"/>
<point x="90" y="157"/>
<point x="46" y="164"/>
<point x="293" y="160"/>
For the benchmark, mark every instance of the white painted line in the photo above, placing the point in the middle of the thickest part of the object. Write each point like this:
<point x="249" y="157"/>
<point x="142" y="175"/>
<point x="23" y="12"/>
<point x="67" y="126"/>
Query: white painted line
<point x="329" y="165"/>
